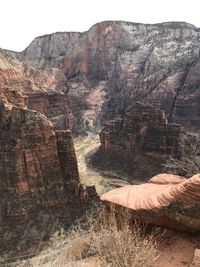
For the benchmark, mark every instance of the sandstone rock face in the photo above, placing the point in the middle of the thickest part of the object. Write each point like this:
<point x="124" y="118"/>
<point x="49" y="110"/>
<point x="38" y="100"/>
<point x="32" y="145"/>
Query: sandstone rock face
<point x="143" y="127"/>
<point x="170" y="205"/>
<point x="48" y="50"/>
<point x="37" y="164"/>
<point x="55" y="106"/>
<point x="41" y="90"/>
<point x="13" y="82"/>
<point x="67" y="157"/>
<point x="139" y="143"/>
<point x="156" y="64"/>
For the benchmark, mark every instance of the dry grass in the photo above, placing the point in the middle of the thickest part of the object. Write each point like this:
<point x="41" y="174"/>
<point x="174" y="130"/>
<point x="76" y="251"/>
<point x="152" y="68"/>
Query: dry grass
<point x="117" y="244"/>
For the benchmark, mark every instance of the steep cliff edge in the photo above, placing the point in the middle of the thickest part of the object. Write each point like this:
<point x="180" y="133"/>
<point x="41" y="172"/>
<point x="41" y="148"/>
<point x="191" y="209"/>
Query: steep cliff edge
<point x="157" y="64"/>
<point x="140" y="144"/>
<point x="35" y="160"/>
<point x="41" y="90"/>
<point x="40" y="190"/>
<point x="48" y="50"/>
<point x="171" y="205"/>
<point x="13" y="81"/>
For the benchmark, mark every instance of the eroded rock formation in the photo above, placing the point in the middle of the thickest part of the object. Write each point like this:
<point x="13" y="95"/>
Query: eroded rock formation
<point x="173" y="205"/>
<point x="157" y="64"/>
<point x="141" y="142"/>
<point x="13" y="82"/>
<point x="42" y="90"/>
<point x="146" y="128"/>
<point x="37" y="165"/>
<point x="55" y="106"/>
<point x="48" y="50"/>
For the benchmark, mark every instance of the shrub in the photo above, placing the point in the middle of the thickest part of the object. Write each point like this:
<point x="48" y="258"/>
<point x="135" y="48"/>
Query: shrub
<point x="117" y="244"/>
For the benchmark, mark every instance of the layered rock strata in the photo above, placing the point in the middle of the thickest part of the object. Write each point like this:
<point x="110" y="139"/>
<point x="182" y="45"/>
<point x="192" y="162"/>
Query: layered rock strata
<point x="166" y="204"/>
<point x="13" y="82"/>
<point x="143" y="127"/>
<point x="139" y="143"/>
<point x="37" y="166"/>
<point x="157" y="64"/>
<point x="48" y="50"/>
<point x="39" y="90"/>
<point x="55" y="106"/>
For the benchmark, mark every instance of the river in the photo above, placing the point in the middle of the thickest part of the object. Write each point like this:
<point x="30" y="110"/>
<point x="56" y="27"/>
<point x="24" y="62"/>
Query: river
<point x="89" y="175"/>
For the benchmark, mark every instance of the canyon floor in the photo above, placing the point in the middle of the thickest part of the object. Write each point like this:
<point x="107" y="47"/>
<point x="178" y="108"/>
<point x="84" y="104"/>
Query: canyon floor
<point x="84" y="147"/>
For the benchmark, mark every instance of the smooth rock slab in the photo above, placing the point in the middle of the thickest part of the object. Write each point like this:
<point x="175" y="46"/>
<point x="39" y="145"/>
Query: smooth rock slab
<point x="171" y="205"/>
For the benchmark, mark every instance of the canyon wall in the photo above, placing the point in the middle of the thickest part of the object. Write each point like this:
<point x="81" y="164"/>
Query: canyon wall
<point x="42" y="90"/>
<point x="55" y="106"/>
<point x="157" y="64"/>
<point x="140" y="143"/>
<point x="37" y="165"/>
<point x="48" y="50"/>
<point x="13" y="82"/>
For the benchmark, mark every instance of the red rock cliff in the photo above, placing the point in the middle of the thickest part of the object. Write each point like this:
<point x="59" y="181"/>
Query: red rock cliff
<point x="140" y="143"/>
<point x="34" y="158"/>
<point x="55" y="106"/>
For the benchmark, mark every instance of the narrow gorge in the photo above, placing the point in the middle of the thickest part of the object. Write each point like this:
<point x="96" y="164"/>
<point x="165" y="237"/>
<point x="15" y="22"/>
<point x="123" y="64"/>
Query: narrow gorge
<point x="84" y="113"/>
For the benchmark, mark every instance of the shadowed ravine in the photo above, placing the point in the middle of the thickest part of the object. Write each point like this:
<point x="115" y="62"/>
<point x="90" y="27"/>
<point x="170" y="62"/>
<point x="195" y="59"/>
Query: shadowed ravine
<point x="88" y="175"/>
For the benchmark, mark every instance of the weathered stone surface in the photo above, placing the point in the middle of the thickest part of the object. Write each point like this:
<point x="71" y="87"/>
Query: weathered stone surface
<point x="55" y="106"/>
<point x="13" y="82"/>
<point x="37" y="166"/>
<point x="156" y="64"/>
<point x="67" y="157"/>
<point x="143" y="127"/>
<point x="139" y="143"/>
<point x="167" y="178"/>
<point x="36" y="89"/>
<point x="48" y="50"/>
<point x="170" y="205"/>
<point x="196" y="259"/>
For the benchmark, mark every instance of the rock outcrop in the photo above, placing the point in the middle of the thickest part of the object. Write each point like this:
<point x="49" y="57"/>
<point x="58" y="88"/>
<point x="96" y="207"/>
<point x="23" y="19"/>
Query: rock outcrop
<point x="143" y="127"/>
<point x="140" y="143"/>
<point x="38" y="165"/>
<point x="13" y="81"/>
<point x="157" y="64"/>
<point x="166" y="204"/>
<point x="55" y="106"/>
<point x="48" y="50"/>
<point x="42" y="90"/>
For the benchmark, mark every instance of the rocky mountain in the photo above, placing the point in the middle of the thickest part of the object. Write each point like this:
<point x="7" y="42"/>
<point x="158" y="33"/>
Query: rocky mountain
<point x="38" y="166"/>
<point x="49" y="50"/>
<point x="13" y="81"/>
<point x="34" y="158"/>
<point x="137" y="83"/>
<point x="40" y="189"/>
<point x="82" y="80"/>
<point x="140" y="144"/>
<point x="122" y="63"/>
<point x="35" y="89"/>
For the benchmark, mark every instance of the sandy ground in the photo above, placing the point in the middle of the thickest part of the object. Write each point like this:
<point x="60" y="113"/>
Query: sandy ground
<point x="176" y="250"/>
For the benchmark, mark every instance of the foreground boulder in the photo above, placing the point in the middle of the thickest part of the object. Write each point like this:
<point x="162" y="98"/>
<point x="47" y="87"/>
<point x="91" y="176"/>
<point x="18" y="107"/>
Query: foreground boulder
<point x="160" y="202"/>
